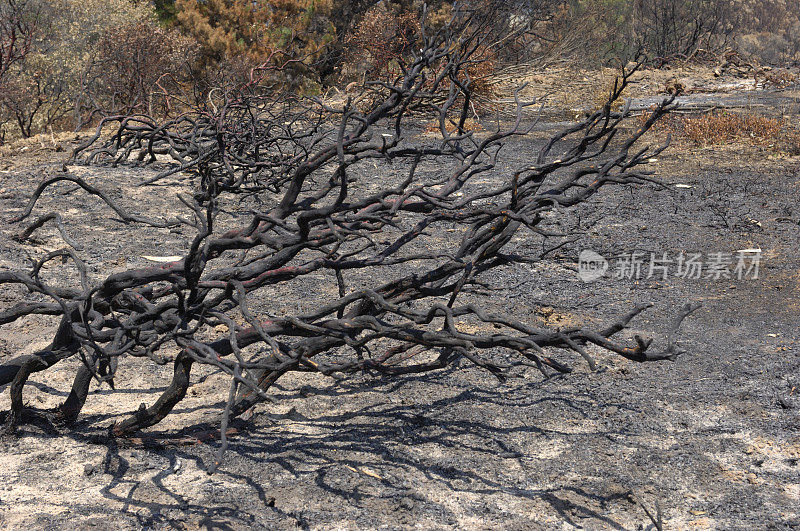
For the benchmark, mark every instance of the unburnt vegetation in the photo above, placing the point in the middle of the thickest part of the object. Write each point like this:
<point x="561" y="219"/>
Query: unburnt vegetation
<point x="66" y="64"/>
<point x="718" y="127"/>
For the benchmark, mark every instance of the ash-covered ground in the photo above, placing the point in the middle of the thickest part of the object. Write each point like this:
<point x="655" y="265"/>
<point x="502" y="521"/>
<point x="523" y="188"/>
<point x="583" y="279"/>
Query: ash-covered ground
<point x="713" y="438"/>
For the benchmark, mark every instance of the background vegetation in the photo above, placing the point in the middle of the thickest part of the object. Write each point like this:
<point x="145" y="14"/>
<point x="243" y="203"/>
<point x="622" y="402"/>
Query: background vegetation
<point x="66" y="63"/>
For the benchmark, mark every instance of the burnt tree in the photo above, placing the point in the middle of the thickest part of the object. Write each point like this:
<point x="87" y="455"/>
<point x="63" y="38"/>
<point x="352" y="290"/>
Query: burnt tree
<point x="399" y="296"/>
<point x="18" y="28"/>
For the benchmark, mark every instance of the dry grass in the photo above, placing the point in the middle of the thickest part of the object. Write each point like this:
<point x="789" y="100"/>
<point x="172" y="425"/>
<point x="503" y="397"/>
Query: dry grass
<point x="51" y="141"/>
<point x="725" y="127"/>
<point x="717" y="128"/>
<point x="603" y="89"/>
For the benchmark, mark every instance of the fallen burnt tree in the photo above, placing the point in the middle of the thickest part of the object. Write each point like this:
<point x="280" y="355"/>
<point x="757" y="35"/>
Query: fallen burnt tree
<point x="312" y="175"/>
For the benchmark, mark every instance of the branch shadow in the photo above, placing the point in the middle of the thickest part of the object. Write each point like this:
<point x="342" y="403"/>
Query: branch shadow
<point x="366" y="456"/>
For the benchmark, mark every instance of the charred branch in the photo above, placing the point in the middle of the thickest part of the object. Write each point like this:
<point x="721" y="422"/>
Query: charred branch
<point x="311" y="169"/>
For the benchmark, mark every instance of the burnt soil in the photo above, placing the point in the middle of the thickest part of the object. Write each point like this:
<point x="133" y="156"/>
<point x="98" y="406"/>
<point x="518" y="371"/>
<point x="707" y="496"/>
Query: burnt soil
<point x="712" y="438"/>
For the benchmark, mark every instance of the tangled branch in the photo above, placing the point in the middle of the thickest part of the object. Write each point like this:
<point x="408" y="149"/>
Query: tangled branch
<point x="314" y="173"/>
